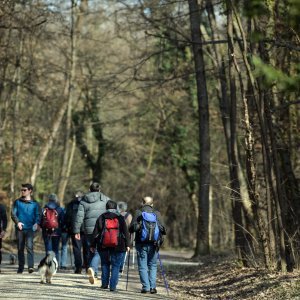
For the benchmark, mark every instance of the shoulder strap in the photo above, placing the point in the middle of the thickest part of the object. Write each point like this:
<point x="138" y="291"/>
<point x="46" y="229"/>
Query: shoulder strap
<point x="126" y="215"/>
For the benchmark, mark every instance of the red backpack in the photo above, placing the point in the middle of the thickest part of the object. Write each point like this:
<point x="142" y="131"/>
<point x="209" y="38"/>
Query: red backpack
<point x="110" y="233"/>
<point x="50" y="219"/>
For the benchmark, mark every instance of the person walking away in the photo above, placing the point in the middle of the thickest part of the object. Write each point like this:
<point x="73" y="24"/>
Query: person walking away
<point x="3" y="226"/>
<point x="148" y="225"/>
<point x="91" y="206"/>
<point x="111" y="238"/>
<point x="52" y="222"/>
<point x="122" y="208"/>
<point x="64" y="243"/>
<point x="26" y="216"/>
<point x="77" y="244"/>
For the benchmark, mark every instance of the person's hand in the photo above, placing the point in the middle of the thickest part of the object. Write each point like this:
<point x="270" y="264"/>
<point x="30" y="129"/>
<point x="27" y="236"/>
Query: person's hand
<point x="93" y="249"/>
<point x="2" y="234"/>
<point x="20" y="225"/>
<point x="127" y="249"/>
<point x="35" y="227"/>
<point x="77" y="236"/>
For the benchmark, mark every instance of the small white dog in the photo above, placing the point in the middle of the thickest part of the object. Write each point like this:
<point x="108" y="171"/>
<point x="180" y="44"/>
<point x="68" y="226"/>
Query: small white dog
<point x="48" y="267"/>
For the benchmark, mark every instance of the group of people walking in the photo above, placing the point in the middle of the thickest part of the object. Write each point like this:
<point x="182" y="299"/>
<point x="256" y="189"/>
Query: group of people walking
<point x="100" y="229"/>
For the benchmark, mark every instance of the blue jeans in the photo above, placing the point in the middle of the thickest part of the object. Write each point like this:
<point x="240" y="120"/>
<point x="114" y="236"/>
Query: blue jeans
<point x="25" y="237"/>
<point x="147" y="264"/>
<point x="51" y="243"/>
<point x="113" y="259"/>
<point x="122" y="262"/>
<point x="64" y="249"/>
<point x="93" y="259"/>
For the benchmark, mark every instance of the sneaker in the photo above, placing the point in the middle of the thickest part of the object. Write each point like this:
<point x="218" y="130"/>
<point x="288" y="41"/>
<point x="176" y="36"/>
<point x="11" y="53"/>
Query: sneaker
<point x="20" y="271"/>
<point x="63" y="268"/>
<point x="113" y="290"/>
<point x="77" y="271"/>
<point x="153" y="291"/>
<point x="90" y="273"/>
<point x="104" y="287"/>
<point x="144" y="291"/>
<point x="30" y="270"/>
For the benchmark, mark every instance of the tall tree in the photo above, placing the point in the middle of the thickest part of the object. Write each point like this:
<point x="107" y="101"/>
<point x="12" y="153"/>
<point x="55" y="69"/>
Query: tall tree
<point x="202" y="245"/>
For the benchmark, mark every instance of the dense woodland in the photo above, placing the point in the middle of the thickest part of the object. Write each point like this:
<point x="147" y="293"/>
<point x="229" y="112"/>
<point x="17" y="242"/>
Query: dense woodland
<point x="195" y="103"/>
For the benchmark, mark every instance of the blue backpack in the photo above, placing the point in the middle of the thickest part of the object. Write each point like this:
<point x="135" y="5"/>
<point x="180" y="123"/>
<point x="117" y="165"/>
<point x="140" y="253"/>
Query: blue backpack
<point x="149" y="228"/>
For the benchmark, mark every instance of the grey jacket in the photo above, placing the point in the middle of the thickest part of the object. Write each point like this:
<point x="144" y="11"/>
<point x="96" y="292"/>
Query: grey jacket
<point x="91" y="206"/>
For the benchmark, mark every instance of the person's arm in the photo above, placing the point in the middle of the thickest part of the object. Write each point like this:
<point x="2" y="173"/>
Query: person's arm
<point x="37" y="213"/>
<point x="78" y="219"/>
<point x="124" y="230"/>
<point x="162" y="227"/>
<point x="97" y="231"/>
<point x="14" y="213"/>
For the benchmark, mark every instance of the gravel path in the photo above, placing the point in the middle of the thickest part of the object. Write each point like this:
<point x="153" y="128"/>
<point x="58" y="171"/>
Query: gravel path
<point x="67" y="285"/>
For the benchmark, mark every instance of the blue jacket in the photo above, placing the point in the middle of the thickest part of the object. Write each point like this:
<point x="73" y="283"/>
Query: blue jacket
<point x="61" y="217"/>
<point x="26" y="212"/>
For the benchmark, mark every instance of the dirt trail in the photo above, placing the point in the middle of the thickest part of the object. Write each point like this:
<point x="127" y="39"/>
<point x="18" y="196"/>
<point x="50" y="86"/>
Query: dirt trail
<point x="67" y="285"/>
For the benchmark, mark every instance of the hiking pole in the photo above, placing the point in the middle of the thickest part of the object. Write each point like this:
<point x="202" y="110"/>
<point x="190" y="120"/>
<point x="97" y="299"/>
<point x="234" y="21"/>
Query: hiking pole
<point x="127" y="269"/>
<point x="124" y="262"/>
<point x="163" y="273"/>
<point x="133" y="246"/>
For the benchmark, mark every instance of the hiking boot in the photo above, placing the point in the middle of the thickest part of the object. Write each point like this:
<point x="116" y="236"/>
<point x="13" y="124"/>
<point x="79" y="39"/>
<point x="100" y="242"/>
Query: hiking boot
<point x="104" y="287"/>
<point x="30" y="270"/>
<point x="153" y="291"/>
<point x="78" y="271"/>
<point x="90" y="273"/>
<point x="20" y="271"/>
<point x="63" y="268"/>
<point x="145" y="292"/>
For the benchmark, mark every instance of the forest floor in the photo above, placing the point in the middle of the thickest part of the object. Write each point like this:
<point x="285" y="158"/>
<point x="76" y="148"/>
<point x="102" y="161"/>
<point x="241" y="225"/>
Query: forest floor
<point x="212" y="278"/>
<point x="222" y="278"/>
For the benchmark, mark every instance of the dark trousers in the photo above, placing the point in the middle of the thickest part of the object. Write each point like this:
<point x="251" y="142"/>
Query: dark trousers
<point x="25" y="237"/>
<point x="77" y="246"/>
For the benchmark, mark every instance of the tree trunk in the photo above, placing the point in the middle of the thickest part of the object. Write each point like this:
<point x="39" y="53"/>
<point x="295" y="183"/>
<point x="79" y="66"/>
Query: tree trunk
<point x="48" y="142"/>
<point x="75" y="33"/>
<point x="202" y="245"/>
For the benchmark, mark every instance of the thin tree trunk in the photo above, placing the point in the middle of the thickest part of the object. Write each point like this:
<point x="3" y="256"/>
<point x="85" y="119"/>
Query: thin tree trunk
<point x="75" y="31"/>
<point x="48" y="141"/>
<point x="202" y="245"/>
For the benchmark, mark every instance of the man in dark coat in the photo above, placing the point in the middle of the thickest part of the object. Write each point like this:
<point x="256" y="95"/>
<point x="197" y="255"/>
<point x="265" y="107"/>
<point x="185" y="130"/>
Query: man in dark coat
<point x="111" y="257"/>
<point x="146" y="250"/>
<point x="91" y="206"/>
<point x="71" y="213"/>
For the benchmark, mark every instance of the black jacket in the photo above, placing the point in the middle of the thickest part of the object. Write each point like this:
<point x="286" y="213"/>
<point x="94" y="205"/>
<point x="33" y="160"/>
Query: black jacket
<point x="124" y="238"/>
<point x="3" y="218"/>
<point x="70" y="217"/>
<point x="136" y="222"/>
